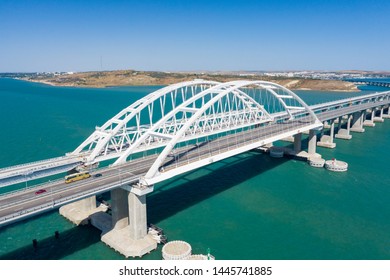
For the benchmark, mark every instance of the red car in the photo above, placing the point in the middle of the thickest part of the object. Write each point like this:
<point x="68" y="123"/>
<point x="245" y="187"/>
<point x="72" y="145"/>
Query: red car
<point x="40" y="191"/>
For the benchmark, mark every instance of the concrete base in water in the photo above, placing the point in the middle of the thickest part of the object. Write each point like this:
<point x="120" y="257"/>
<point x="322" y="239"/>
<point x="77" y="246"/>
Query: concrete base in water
<point x="303" y="155"/>
<point x="343" y="134"/>
<point x="120" y="241"/>
<point x="357" y="129"/>
<point x="78" y="215"/>
<point x="368" y="123"/>
<point x="326" y="145"/>
<point x="378" y="119"/>
<point x="327" y="142"/>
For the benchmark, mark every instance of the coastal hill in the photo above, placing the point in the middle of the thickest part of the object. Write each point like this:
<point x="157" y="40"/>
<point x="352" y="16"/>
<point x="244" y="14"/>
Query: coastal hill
<point x="133" y="78"/>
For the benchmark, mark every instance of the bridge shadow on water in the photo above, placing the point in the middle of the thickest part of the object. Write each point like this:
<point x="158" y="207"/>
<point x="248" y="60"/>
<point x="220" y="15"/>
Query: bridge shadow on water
<point x="56" y="247"/>
<point x="166" y="200"/>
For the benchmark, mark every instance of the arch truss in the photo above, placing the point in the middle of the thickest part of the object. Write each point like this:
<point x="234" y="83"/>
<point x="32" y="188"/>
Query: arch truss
<point x="192" y="114"/>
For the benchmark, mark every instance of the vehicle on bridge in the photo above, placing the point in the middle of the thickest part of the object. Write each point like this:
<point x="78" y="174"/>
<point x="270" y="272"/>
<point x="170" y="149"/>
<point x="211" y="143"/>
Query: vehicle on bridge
<point x="40" y="191"/>
<point x="76" y="177"/>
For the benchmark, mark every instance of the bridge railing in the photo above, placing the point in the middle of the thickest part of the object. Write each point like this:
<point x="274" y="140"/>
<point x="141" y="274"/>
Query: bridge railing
<point x="36" y="162"/>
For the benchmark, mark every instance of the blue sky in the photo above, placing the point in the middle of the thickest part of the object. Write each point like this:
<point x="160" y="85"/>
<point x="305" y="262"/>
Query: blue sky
<point x="194" y="35"/>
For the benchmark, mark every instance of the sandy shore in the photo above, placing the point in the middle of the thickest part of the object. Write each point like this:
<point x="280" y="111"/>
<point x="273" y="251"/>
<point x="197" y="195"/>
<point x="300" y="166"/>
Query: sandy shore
<point x="140" y="78"/>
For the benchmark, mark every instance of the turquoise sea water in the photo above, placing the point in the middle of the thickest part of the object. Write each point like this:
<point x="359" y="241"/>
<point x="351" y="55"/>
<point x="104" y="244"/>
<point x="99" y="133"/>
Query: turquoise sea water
<point x="249" y="206"/>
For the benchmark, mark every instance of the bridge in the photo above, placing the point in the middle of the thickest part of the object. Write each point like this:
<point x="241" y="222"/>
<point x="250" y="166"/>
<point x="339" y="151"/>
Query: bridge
<point x="369" y="82"/>
<point x="171" y="131"/>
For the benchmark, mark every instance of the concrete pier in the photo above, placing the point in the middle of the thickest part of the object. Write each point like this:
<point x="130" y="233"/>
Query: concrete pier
<point x="120" y="241"/>
<point x="79" y="212"/>
<point x="297" y="143"/>
<point x="128" y="234"/>
<point x="369" y="122"/>
<point x="326" y="125"/>
<point x="126" y="229"/>
<point x="357" y="122"/>
<point x="327" y="140"/>
<point x="386" y="113"/>
<point x="380" y="117"/>
<point x="344" y="133"/>
<point x="119" y="208"/>
<point x="339" y="123"/>
<point x="312" y="145"/>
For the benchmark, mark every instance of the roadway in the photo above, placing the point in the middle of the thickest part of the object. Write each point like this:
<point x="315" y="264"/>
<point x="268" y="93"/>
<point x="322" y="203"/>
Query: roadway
<point x="342" y="111"/>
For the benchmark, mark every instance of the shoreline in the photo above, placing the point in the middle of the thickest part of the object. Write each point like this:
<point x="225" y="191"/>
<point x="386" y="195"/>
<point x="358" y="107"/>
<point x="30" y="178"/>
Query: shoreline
<point x="49" y="83"/>
<point x="138" y="78"/>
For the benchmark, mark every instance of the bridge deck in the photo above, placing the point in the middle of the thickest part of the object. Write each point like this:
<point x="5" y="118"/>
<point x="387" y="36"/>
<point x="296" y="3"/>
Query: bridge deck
<point x="335" y="113"/>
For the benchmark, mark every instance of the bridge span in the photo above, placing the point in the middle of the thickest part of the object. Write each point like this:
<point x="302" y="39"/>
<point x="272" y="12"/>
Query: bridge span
<point x="376" y="83"/>
<point x="169" y="132"/>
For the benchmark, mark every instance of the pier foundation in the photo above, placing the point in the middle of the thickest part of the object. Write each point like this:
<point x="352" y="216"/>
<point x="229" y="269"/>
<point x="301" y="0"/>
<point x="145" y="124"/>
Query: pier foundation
<point x="379" y="118"/>
<point x="369" y="122"/>
<point x="119" y="208"/>
<point x="327" y="140"/>
<point x="312" y="146"/>
<point x="386" y="113"/>
<point x="79" y="212"/>
<point x="357" y="122"/>
<point x="128" y="234"/>
<point x="297" y="143"/>
<point x="344" y="133"/>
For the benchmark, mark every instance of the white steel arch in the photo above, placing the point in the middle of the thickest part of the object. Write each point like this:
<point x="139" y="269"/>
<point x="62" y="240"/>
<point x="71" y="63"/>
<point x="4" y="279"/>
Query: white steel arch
<point x="128" y="132"/>
<point x="115" y="136"/>
<point x="221" y="91"/>
<point x="163" y="129"/>
<point x="216" y="94"/>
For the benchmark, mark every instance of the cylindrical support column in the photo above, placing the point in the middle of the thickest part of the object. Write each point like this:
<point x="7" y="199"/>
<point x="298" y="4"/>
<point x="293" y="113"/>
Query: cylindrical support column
<point x="297" y="142"/>
<point x="332" y="132"/>
<point x="137" y="216"/>
<point x="312" y="141"/>
<point x="119" y="208"/>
